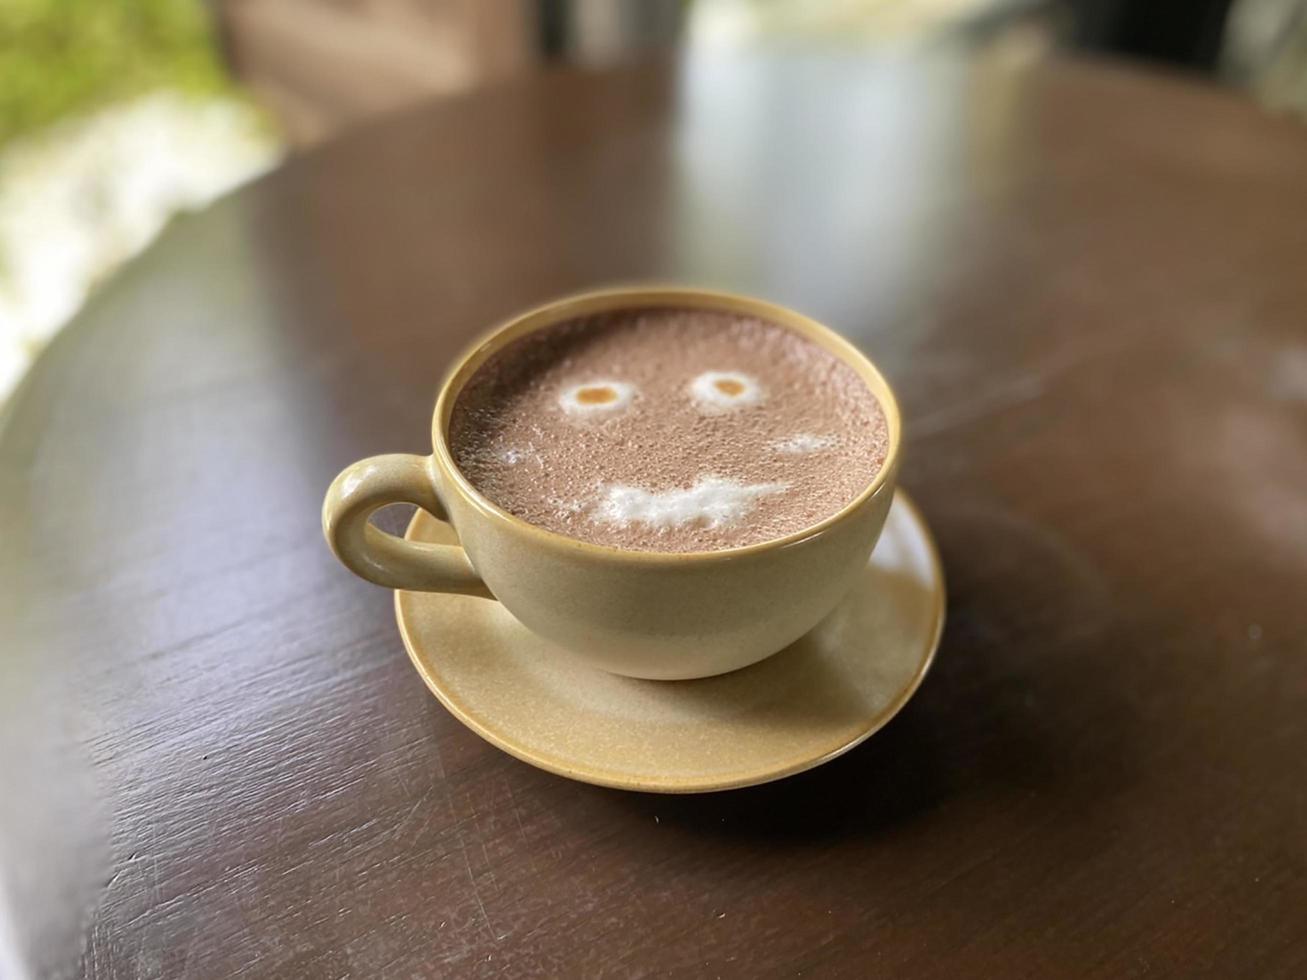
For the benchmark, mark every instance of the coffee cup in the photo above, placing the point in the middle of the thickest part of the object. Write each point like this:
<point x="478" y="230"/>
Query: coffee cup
<point x="654" y="615"/>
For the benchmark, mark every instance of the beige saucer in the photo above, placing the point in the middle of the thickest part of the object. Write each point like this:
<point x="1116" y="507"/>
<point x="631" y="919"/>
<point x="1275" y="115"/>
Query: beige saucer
<point x="804" y="706"/>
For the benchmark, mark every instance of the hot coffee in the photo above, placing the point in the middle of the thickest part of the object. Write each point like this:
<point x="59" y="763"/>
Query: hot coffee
<point x="671" y="430"/>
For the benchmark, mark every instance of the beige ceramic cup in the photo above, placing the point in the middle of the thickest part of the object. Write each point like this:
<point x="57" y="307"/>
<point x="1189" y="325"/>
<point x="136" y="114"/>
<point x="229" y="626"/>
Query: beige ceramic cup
<point x="644" y="614"/>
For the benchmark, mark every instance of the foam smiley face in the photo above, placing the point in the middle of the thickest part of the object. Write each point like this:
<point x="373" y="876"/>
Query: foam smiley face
<point x="668" y="430"/>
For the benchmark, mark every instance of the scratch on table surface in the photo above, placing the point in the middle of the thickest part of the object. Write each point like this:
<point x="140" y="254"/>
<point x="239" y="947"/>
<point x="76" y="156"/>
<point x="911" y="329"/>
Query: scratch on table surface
<point x="485" y="856"/>
<point x="95" y="950"/>
<point x="186" y="960"/>
<point x="512" y="802"/>
<point x="155" y="886"/>
<point x="440" y="759"/>
<point x="277" y="829"/>
<point x="476" y="890"/>
<point x="403" y="821"/>
<point x="481" y="843"/>
<point x="118" y="874"/>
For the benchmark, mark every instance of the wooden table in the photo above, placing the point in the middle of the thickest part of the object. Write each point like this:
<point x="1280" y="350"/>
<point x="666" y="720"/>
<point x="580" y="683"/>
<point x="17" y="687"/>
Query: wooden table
<point x="1090" y="287"/>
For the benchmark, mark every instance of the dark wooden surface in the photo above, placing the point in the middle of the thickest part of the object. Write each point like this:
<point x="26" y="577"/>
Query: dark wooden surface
<point x="1089" y="286"/>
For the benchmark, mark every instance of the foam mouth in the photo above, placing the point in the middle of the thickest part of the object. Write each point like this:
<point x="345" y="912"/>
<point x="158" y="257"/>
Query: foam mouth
<point x="803" y="443"/>
<point x="723" y="391"/>
<point x="712" y="502"/>
<point x="595" y="398"/>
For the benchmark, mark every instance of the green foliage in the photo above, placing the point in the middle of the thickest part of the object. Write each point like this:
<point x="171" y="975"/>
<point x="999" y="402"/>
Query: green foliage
<point x="59" y="57"/>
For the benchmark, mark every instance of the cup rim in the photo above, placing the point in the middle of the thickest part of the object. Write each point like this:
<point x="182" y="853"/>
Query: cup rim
<point x="619" y="297"/>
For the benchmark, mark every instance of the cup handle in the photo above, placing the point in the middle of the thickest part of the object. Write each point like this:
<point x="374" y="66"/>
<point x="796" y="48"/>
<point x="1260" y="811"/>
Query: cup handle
<point x="385" y="559"/>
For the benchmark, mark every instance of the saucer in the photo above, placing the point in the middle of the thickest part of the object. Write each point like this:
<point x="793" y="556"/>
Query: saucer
<point x="811" y="702"/>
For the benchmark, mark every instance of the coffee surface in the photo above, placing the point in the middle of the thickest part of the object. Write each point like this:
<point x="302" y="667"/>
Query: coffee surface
<point x="668" y="430"/>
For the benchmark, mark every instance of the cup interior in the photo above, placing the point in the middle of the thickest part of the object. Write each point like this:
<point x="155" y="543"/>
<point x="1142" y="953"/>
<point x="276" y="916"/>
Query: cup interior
<point x="646" y="297"/>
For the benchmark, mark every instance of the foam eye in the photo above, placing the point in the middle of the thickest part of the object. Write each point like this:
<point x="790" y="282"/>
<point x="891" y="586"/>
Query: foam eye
<point x="722" y="391"/>
<point x="596" y="397"/>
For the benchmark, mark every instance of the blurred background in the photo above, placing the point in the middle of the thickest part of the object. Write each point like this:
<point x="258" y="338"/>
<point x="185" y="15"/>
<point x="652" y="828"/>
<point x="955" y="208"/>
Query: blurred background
<point x="116" y="116"/>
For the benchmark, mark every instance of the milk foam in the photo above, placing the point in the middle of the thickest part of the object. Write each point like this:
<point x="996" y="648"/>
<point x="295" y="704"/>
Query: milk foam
<point x="724" y="391"/>
<point x="512" y="456"/>
<point x="572" y="402"/>
<point x="662" y="454"/>
<point x="804" y="442"/>
<point x="712" y="502"/>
